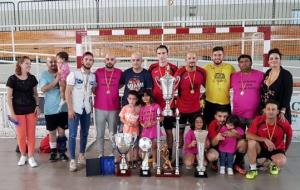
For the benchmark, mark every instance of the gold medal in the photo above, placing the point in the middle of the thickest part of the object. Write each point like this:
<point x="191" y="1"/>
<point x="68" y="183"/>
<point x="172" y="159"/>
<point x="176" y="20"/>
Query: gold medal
<point x="192" y="91"/>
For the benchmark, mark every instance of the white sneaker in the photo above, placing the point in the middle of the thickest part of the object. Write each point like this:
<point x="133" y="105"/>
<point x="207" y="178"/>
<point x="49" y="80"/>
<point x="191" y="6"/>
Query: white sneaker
<point x="222" y="170"/>
<point x="22" y="161"/>
<point x="32" y="162"/>
<point x="229" y="171"/>
<point x="100" y="155"/>
<point x="72" y="166"/>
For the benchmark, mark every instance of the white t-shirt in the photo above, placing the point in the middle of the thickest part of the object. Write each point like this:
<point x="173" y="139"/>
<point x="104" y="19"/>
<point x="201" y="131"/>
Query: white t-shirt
<point x="82" y="90"/>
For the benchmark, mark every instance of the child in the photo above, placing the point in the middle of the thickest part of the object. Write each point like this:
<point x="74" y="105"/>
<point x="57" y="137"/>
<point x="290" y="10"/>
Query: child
<point x="129" y="116"/>
<point x="227" y="146"/>
<point x="148" y="121"/>
<point x="63" y="70"/>
<point x="190" y="146"/>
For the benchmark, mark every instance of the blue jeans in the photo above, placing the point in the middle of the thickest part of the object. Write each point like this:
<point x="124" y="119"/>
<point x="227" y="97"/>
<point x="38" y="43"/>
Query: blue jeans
<point x="85" y="120"/>
<point x="226" y="159"/>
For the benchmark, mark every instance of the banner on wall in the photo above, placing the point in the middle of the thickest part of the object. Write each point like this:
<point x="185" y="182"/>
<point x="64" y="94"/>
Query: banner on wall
<point x="295" y="108"/>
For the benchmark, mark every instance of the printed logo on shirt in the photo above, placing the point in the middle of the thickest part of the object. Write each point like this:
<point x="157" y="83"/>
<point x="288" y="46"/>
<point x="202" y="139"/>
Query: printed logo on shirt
<point x="135" y="84"/>
<point x="219" y="77"/>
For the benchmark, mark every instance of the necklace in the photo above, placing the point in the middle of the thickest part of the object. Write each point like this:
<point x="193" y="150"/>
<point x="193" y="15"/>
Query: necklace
<point x="269" y="134"/>
<point x="109" y="81"/>
<point x="192" y="82"/>
<point x="243" y="85"/>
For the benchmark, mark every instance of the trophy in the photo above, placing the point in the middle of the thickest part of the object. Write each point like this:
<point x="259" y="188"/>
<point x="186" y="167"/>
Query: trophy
<point x="123" y="142"/>
<point x="145" y="145"/>
<point x="200" y="138"/>
<point x="167" y="170"/>
<point x="167" y="83"/>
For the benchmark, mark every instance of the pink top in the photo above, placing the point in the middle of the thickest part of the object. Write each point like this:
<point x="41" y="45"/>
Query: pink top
<point x="246" y="93"/>
<point x="64" y="71"/>
<point x="229" y="143"/>
<point x="189" y="137"/>
<point x="148" y="115"/>
<point x="130" y="115"/>
<point x="107" y="90"/>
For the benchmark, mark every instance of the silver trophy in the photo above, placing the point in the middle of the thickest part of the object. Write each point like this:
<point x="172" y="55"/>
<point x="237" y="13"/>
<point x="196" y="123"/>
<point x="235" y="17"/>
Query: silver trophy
<point x="145" y="145"/>
<point x="167" y="83"/>
<point x="123" y="142"/>
<point x="200" y="138"/>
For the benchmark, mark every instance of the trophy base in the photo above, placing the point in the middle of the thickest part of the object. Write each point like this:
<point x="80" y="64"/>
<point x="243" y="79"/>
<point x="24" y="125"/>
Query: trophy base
<point x="168" y="173"/>
<point x="145" y="173"/>
<point x="123" y="172"/>
<point x="200" y="174"/>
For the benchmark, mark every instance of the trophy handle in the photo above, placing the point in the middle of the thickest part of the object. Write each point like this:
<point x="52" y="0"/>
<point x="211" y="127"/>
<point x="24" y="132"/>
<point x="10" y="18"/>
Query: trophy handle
<point x="112" y="139"/>
<point x="176" y="84"/>
<point x="134" y="137"/>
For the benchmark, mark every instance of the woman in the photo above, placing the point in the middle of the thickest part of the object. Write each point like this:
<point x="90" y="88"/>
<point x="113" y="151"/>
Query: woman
<point x="278" y="85"/>
<point x="22" y="99"/>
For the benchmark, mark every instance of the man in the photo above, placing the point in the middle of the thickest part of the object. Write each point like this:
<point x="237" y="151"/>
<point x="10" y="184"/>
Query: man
<point x="157" y="71"/>
<point x="80" y="86"/>
<point x="107" y="104"/>
<point x="217" y="84"/>
<point x="191" y="78"/>
<point x="215" y="136"/>
<point x="135" y="78"/>
<point x="56" y="122"/>
<point x="268" y="137"/>
<point x="246" y="97"/>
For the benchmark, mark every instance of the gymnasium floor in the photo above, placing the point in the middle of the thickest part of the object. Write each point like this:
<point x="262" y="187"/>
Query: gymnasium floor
<point x="56" y="176"/>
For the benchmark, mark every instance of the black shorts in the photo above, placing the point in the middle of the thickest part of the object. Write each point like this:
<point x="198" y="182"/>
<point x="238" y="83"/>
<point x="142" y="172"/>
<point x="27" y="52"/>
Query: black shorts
<point x="264" y="153"/>
<point x="169" y="122"/>
<point x="57" y="120"/>
<point x="187" y="117"/>
<point x="210" y="110"/>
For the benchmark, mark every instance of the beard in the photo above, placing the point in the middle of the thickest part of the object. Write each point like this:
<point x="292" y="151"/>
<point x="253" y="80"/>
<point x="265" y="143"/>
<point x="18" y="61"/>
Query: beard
<point x="87" y="67"/>
<point x="109" y="66"/>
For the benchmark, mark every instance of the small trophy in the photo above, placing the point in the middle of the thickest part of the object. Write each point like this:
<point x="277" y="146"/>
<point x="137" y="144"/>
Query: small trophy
<point x="200" y="138"/>
<point x="123" y="142"/>
<point x="145" y="145"/>
<point x="167" y="83"/>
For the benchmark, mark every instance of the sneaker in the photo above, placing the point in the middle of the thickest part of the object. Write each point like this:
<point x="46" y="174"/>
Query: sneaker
<point x="274" y="170"/>
<point x="100" y="155"/>
<point x="214" y="166"/>
<point x="72" y="166"/>
<point x="22" y="161"/>
<point x="81" y="160"/>
<point x="251" y="174"/>
<point x="229" y="171"/>
<point x="240" y="169"/>
<point x="222" y="170"/>
<point x="53" y="157"/>
<point x="63" y="157"/>
<point x="32" y="162"/>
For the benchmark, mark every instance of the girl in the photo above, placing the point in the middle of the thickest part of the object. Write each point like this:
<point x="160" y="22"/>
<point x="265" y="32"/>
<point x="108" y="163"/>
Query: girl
<point x="190" y="146"/>
<point x="227" y="146"/>
<point x="148" y="121"/>
<point x="63" y="70"/>
<point x="129" y="116"/>
<point x="23" y="104"/>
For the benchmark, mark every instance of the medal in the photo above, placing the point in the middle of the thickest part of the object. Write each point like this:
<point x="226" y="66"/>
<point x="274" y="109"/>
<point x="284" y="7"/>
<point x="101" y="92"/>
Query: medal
<point x="108" y="92"/>
<point x="242" y="93"/>
<point x="192" y="91"/>
<point x="108" y="81"/>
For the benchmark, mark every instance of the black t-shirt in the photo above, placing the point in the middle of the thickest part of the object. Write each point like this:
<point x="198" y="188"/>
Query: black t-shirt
<point x="23" y="94"/>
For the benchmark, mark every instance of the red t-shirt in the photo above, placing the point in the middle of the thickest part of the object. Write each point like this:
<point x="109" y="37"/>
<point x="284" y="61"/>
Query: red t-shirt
<point x="213" y="129"/>
<point x="188" y="102"/>
<point x="259" y="127"/>
<point x="157" y="72"/>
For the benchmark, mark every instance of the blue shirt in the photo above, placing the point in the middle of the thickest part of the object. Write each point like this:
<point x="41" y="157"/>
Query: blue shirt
<point x="51" y="97"/>
<point x="135" y="81"/>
